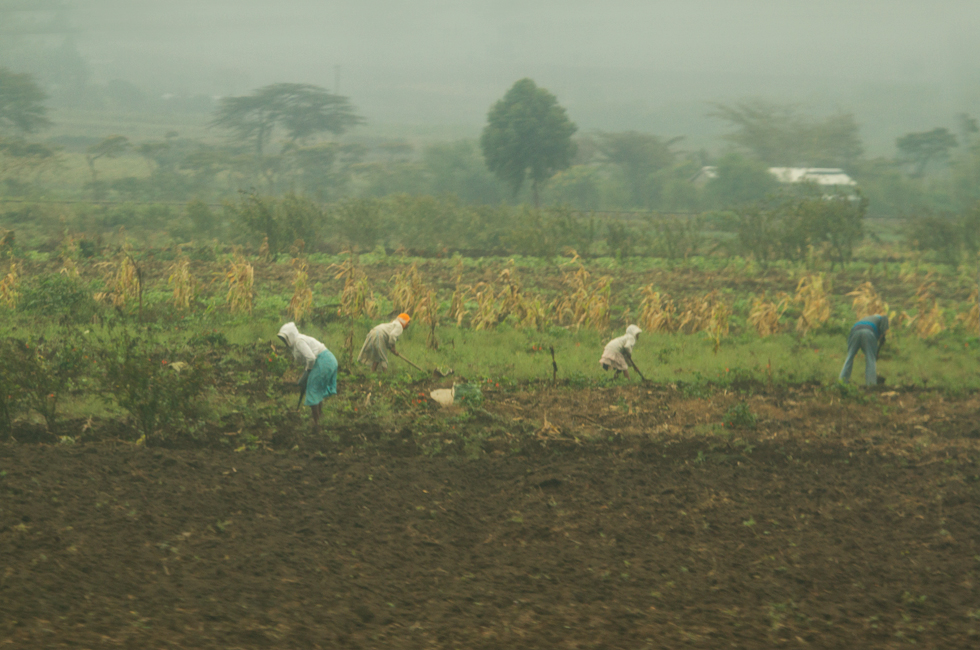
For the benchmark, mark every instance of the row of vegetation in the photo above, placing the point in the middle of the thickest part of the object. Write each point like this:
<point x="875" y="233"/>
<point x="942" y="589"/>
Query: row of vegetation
<point x="289" y="137"/>
<point x="149" y="337"/>
<point x="792" y="226"/>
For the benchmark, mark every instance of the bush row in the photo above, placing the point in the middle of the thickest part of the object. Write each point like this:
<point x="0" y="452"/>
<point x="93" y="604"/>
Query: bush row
<point x="162" y="389"/>
<point x="785" y="227"/>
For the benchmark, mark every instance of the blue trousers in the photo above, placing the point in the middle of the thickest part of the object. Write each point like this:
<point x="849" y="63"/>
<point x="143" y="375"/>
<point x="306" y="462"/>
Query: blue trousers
<point x="866" y="341"/>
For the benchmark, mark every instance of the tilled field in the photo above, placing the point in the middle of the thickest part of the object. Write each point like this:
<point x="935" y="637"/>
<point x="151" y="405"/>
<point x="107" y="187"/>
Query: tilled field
<point x="845" y="531"/>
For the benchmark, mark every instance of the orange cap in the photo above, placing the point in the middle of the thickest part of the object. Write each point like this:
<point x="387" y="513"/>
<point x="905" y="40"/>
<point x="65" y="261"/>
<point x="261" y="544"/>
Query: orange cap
<point x="404" y="318"/>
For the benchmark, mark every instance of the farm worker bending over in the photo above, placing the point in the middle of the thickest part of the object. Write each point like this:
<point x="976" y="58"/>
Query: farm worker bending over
<point x="319" y="378"/>
<point x="868" y="334"/>
<point x="381" y="339"/>
<point x="618" y="353"/>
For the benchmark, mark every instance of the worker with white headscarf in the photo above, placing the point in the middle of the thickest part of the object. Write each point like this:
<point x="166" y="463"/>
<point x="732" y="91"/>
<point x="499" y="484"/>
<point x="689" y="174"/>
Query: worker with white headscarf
<point x="618" y="353"/>
<point x="380" y="340"/>
<point x="319" y="379"/>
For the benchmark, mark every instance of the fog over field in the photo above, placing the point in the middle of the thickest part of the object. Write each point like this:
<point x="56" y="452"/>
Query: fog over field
<point x="899" y="66"/>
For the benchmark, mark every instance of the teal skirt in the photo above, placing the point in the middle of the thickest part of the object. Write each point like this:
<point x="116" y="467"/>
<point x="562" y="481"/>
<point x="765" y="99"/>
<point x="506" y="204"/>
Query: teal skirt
<point x="322" y="382"/>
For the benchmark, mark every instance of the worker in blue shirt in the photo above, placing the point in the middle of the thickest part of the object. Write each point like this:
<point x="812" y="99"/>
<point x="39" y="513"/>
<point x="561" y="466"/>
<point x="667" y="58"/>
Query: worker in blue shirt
<point x="867" y="335"/>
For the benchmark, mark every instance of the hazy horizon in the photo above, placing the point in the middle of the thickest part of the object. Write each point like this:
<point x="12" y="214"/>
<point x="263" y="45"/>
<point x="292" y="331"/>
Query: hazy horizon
<point x="654" y="67"/>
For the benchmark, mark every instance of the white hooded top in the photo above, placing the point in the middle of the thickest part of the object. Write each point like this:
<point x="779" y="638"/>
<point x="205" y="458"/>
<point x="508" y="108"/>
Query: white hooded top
<point x="612" y="355"/>
<point x="305" y="349"/>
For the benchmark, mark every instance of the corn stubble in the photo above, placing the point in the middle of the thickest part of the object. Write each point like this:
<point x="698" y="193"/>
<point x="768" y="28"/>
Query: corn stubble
<point x="929" y="319"/>
<point x="240" y="280"/>
<point x="8" y="288"/>
<point x="656" y="311"/>
<point x="122" y="281"/>
<point x="408" y="290"/>
<point x="867" y="302"/>
<point x="811" y="294"/>
<point x="302" y="300"/>
<point x="356" y="299"/>
<point x="707" y="313"/>
<point x="971" y="319"/>
<point x="765" y="314"/>
<point x="183" y="283"/>
<point x="457" y="305"/>
<point x="587" y="302"/>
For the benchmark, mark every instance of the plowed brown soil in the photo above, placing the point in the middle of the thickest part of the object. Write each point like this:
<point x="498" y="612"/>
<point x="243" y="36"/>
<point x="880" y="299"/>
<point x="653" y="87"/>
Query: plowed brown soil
<point x="827" y="526"/>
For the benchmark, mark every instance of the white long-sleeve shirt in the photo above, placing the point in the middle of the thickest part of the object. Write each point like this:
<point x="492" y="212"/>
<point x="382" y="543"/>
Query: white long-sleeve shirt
<point x="305" y="349"/>
<point x="612" y="354"/>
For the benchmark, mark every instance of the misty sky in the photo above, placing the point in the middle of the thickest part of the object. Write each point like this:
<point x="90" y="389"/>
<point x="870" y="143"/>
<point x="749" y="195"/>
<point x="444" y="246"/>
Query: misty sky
<point x="644" y="65"/>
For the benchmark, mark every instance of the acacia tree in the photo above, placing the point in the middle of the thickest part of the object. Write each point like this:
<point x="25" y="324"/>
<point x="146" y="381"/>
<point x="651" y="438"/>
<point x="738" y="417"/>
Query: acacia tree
<point x="920" y="148"/>
<point x="779" y="135"/>
<point x="527" y="134"/>
<point x="110" y="147"/>
<point x="302" y="110"/>
<point x="22" y="107"/>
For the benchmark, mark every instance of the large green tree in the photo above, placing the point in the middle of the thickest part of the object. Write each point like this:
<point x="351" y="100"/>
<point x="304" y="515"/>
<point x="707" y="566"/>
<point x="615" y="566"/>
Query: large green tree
<point x="301" y="110"/>
<point x="527" y="135"/>
<point x="921" y="148"/>
<point x="22" y="107"/>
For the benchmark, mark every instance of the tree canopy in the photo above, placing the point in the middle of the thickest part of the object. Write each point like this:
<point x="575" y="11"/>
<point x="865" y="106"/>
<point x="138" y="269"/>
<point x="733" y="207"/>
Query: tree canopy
<point x="22" y="107"/>
<point x="638" y="156"/>
<point x="779" y="136"/>
<point x="920" y="148"/>
<point x="528" y="134"/>
<point x="302" y="110"/>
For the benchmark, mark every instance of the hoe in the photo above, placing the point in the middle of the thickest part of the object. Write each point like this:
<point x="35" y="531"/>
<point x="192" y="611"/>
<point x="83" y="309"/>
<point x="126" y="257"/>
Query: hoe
<point x="435" y="371"/>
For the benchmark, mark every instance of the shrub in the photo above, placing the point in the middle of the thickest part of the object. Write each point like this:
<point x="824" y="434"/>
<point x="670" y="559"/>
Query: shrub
<point x="46" y="369"/>
<point x="940" y="235"/>
<point x="57" y="296"/>
<point x="201" y="215"/>
<point x="739" y="416"/>
<point x="279" y="222"/>
<point x="10" y="392"/>
<point x="157" y="390"/>
<point x="359" y="223"/>
<point x="676" y="238"/>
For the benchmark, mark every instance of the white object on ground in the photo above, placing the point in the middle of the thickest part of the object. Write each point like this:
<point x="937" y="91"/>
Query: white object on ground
<point x="445" y="396"/>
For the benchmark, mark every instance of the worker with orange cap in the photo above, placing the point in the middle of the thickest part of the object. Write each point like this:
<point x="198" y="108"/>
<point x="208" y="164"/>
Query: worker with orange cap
<point x="380" y="340"/>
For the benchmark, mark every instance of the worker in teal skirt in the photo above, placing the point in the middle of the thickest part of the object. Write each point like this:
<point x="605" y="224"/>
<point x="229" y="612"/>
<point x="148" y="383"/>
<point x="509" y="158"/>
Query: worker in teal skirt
<point x="867" y="335"/>
<point x="319" y="379"/>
